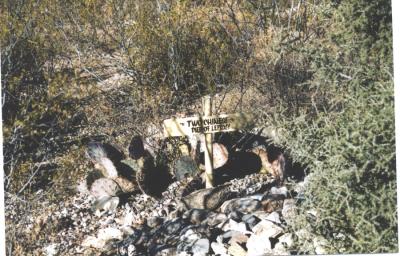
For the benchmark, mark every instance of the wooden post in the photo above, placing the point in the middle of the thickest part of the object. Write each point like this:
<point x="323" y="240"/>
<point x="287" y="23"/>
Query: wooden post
<point x="208" y="151"/>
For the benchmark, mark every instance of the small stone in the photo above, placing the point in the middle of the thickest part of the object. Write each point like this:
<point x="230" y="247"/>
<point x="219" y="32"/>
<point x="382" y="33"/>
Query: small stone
<point x="106" y="203"/>
<point x="218" y="248"/>
<point x="279" y="191"/>
<point x="267" y="229"/>
<point x="235" y="226"/>
<point x="236" y="250"/>
<point x="274" y="217"/>
<point x="51" y="250"/>
<point x="289" y="209"/>
<point x="250" y="220"/>
<point x="271" y="204"/>
<point x="235" y="215"/>
<point x="110" y="233"/>
<point x="216" y="218"/>
<point x="201" y="247"/>
<point x="257" y="245"/>
<point x="196" y="216"/>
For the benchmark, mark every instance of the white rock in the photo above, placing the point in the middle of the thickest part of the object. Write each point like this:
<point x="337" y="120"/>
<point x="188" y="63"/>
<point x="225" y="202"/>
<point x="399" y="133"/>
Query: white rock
<point x="258" y="245"/>
<point x="233" y="225"/>
<point x="286" y="239"/>
<point x="258" y="197"/>
<point x="267" y="229"/>
<point x="92" y="241"/>
<point x="201" y="247"/>
<point x="106" y="203"/>
<point x="279" y="191"/>
<point x="51" y="250"/>
<point x="110" y="233"/>
<point x="218" y="248"/>
<point x="274" y="217"/>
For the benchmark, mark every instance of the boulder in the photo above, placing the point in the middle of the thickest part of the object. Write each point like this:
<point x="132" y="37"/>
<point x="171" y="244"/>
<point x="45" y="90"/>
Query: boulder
<point x="209" y="198"/>
<point x="105" y="187"/>
<point x="244" y="205"/>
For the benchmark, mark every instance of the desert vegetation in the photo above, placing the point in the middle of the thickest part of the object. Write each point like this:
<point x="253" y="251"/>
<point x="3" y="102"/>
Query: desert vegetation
<point x="317" y="75"/>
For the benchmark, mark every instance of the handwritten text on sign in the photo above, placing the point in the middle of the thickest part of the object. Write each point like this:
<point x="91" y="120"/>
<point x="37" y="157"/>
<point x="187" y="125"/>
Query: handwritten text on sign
<point x="210" y="124"/>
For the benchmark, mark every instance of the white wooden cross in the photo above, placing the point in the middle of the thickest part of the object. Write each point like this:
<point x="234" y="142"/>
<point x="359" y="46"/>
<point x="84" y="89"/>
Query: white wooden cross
<point x="206" y="125"/>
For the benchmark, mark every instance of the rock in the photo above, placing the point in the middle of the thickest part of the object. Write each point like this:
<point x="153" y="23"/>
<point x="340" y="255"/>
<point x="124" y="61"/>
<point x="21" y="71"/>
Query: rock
<point x="110" y="233"/>
<point x="220" y="155"/>
<point x="51" y="250"/>
<point x="272" y="203"/>
<point x="216" y="218"/>
<point x="192" y="242"/>
<point x="289" y="209"/>
<point x="104" y="156"/>
<point x="94" y="242"/>
<point x="244" y="205"/>
<point x="279" y="191"/>
<point x="106" y="203"/>
<point x="286" y="239"/>
<point x="280" y="249"/>
<point x="283" y="245"/>
<point x="235" y="226"/>
<point x="91" y="176"/>
<point x="125" y="185"/>
<point x="235" y="215"/>
<point x="239" y="238"/>
<point x="267" y="229"/>
<point x="226" y="237"/>
<point x="236" y="250"/>
<point x="218" y="248"/>
<point x="105" y="187"/>
<point x="196" y="216"/>
<point x="250" y="220"/>
<point x="274" y="217"/>
<point x="201" y="247"/>
<point x="209" y="198"/>
<point x="258" y="245"/>
<point x="104" y="235"/>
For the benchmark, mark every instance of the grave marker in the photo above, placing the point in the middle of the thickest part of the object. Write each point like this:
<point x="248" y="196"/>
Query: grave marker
<point x="207" y="125"/>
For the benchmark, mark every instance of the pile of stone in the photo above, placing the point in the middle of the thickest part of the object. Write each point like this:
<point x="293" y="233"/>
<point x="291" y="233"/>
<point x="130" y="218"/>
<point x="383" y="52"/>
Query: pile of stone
<point x="114" y="213"/>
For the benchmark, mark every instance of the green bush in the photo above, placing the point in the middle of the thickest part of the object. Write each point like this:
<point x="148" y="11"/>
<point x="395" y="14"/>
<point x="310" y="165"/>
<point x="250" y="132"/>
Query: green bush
<point x="346" y="137"/>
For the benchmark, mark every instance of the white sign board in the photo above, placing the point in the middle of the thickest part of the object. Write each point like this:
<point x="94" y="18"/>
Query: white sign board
<point x="199" y="125"/>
